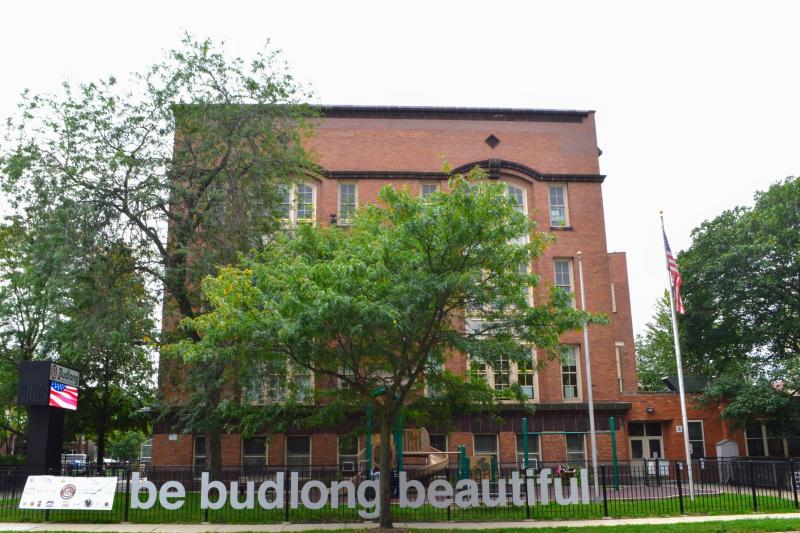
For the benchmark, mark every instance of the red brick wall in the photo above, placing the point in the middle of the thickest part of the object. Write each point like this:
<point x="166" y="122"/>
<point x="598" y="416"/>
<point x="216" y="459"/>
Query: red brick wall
<point x="386" y="144"/>
<point x="172" y="452"/>
<point x="621" y="319"/>
<point x="276" y="449"/>
<point x="324" y="448"/>
<point x="667" y="410"/>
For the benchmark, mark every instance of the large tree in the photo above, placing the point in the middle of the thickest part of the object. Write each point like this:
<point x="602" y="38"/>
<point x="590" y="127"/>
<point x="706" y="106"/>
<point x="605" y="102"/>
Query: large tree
<point x="655" y="350"/>
<point x="742" y="296"/>
<point x="39" y="247"/>
<point x="380" y="308"/>
<point x="105" y="333"/>
<point x="185" y="160"/>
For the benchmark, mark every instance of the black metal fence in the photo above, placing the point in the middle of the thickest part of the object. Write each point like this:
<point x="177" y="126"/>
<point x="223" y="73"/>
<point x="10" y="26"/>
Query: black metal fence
<point x="627" y="489"/>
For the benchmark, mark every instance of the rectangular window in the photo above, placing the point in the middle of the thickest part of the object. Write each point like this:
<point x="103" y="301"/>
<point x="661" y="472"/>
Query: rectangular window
<point x="348" y="454"/>
<point x="298" y="455"/>
<point x="199" y="454"/>
<point x="265" y="385"/>
<point x="426" y="189"/>
<point x="146" y="451"/>
<point x="696" y="439"/>
<point x="775" y="447"/>
<point x="517" y="196"/>
<point x="347" y="202"/>
<point x="303" y="384"/>
<point x="284" y="205"/>
<point x="502" y="373"/>
<point x="349" y="373"/>
<point x="525" y="378"/>
<point x="576" y="449"/>
<point x="486" y="445"/>
<point x="558" y="206"/>
<point x="793" y="447"/>
<point x="761" y="444"/>
<point x="439" y="442"/>
<point x="305" y="202"/>
<point x="534" y="455"/>
<point x="563" y="275"/>
<point x="569" y="372"/>
<point x="254" y="453"/>
<point x="482" y="370"/>
<point x="755" y="440"/>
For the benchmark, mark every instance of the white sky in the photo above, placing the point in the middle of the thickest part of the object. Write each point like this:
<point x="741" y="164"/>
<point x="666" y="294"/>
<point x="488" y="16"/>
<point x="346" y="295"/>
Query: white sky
<point x="698" y="103"/>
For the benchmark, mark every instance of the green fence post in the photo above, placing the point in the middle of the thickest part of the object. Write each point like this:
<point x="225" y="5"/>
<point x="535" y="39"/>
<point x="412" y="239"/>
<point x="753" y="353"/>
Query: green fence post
<point x="398" y="442"/>
<point x="612" y="427"/>
<point x="525" y="441"/>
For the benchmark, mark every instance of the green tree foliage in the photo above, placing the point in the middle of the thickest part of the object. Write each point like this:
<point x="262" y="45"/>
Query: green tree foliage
<point x="380" y="306"/>
<point x="126" y="445"/>
<point x="742" y="296"/>
<point x="183" y="164"/>
<point x="104" y="333"/>
<point x="37" y="251"/>
<point x="655" y="351"/>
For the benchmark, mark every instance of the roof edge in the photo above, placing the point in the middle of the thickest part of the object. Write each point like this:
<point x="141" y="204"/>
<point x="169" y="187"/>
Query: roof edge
<point x="453" y="113"/>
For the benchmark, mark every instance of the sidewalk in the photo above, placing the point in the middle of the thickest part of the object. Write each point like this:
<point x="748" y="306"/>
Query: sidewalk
<point x="199" y="528"/>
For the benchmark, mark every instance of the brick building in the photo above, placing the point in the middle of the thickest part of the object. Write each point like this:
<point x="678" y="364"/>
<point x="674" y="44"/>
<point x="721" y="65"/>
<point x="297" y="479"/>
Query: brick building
<point x="550" y="163"/>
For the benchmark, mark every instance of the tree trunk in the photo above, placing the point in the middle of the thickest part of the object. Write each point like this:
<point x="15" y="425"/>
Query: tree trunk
<point x="101" y="447"/>
<point x="385" y="462"/>
<point x="214" y="454"/>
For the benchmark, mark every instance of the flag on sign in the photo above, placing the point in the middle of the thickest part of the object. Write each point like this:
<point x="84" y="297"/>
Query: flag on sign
<point x="64" y="396"/>
<point x="674" y="274"/>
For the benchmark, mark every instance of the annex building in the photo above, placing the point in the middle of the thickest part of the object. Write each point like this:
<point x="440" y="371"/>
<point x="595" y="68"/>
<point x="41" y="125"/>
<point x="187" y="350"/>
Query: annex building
<point x="550" y="162"/>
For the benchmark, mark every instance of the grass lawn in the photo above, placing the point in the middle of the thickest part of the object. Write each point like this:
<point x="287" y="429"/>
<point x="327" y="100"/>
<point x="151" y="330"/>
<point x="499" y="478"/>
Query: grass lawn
<point x="190" y="512"/>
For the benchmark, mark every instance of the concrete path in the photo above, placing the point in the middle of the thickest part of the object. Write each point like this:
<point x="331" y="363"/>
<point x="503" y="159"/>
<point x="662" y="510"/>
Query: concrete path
<point x="201" y="528"/>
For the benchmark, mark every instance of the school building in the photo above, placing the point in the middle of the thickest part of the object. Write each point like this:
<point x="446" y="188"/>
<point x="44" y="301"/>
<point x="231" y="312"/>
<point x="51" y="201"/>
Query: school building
<point x="550" y="163"/>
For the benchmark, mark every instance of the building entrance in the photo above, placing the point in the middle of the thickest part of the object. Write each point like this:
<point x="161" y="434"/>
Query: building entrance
<point x="646" y="441"/>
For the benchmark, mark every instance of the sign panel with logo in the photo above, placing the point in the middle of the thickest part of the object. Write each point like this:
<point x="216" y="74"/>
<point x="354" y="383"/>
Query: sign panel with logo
<point x="65" y="375"/>
<point x="56" y="492"/>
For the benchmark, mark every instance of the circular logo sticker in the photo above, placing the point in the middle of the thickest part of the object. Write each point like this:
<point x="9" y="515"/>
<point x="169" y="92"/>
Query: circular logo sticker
<point x="68" y="491"/>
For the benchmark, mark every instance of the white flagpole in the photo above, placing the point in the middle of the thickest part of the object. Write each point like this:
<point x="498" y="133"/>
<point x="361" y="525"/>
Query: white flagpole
<point x="686" y="446"/>
<point x="592" y="433"/>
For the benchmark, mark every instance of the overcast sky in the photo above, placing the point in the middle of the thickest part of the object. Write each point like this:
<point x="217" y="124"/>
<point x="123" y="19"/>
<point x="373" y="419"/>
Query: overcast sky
<point x="698" y="103"/>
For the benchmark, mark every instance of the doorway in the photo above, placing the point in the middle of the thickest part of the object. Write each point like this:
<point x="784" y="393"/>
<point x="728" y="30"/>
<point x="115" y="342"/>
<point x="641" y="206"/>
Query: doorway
<point x="646" y="442"/>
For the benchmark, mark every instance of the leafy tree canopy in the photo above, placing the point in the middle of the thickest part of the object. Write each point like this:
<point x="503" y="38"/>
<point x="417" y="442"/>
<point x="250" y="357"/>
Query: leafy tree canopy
<point x="182" y="165"/>
<point x="382" y="306"/>
<point x="655" y="351"/>
<point x="742" y="296"/>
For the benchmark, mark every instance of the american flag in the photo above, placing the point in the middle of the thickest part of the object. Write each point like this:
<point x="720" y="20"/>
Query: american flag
<point x="674" y="275"/>
<point x="63" y="396"/>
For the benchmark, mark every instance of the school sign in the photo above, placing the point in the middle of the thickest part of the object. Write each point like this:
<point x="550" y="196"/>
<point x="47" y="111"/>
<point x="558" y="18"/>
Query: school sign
<point x="314" y="494"/>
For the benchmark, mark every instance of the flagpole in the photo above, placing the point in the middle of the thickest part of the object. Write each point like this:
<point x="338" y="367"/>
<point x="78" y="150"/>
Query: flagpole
<point x="592" y="433"/>
<point x="681" y="391"/>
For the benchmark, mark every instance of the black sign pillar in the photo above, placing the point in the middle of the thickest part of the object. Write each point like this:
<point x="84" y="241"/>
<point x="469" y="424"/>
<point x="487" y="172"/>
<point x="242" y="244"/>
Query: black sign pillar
<point x="45" y="422"/>
<point x="45" y="438"/>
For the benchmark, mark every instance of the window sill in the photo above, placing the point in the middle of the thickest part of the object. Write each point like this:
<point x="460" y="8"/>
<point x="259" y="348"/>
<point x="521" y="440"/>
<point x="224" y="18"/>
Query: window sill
<point x="561" y="228"/>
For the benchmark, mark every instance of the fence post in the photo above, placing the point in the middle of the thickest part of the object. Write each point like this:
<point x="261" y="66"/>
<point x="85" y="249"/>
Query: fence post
<point x="447" y="477"/>
<point x="527" y="501"/>
<point x="678" y="468"/>
<point x="127" y="488"/>
<point x="605" y="495"/>
<point x="794" y="483"/>
<point x="752" y="485"/>
<point x="286" y="495"/>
